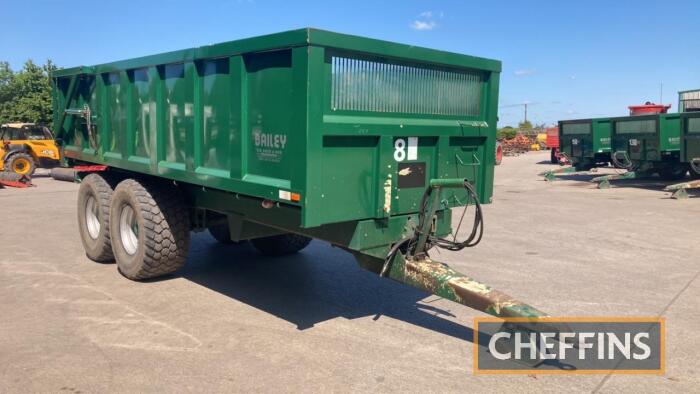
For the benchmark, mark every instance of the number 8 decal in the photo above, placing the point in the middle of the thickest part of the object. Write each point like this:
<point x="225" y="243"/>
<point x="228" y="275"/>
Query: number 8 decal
<point x="400" y="149"/>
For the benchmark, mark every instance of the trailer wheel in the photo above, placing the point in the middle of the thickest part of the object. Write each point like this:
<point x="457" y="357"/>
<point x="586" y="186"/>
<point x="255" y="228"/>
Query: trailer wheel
<point x="150" y="229"/>
<point x="694" y="169"/>
<point x="280" y="245"/>
<point x="221" y="233"/>
<point x="94" y="198"/>
<point x="554" y="157"/>
<point x="499" y="153"/>
<point x="673" y="173"/>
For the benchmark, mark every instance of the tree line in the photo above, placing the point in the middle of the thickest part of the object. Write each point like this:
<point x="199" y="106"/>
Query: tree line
<point x="25" y="95"/>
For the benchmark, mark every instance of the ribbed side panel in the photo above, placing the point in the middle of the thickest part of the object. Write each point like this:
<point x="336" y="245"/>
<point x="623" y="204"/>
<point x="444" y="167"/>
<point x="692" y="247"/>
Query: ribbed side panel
<point x="376" y="86"/>
<point x="636" y="126"/>
<point x="690" y="101"/>
<point x="576" y="128"/>
<point x="694" y="125"/>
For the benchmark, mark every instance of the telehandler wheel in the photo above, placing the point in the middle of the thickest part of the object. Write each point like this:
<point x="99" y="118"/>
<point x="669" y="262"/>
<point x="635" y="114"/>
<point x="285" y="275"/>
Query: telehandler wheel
<point x="150" y="229"/>
<point x="94" y="196"/>
<point x="221" y="233"/>
<point x="21" y="163"/>
<point x="280" y="245"/>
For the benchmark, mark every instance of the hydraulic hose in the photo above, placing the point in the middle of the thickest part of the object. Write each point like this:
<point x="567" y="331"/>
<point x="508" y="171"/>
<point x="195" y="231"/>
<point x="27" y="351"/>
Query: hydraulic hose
<point x="473" y="239"/>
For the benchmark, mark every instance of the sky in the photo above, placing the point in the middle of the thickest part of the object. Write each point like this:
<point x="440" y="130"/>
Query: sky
<point x="567" y="59"/>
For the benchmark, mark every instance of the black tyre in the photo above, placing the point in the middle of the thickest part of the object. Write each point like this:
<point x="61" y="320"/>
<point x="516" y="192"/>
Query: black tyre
<point x="21" y="163"/>
<point x="221" y="233"/>
<point x="94" y="198"/>
<point x="280" y="245"/>
<point x="150" y="229"/>
<point x="694" y="170"/>
<point x="63" y="174"/>
<point x="553" y="157"/>
<point x="674" y="173"/>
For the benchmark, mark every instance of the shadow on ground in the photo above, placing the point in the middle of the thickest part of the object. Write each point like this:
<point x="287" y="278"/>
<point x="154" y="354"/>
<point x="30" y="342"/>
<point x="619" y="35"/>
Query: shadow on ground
<point x="649" y="183"/>
<point x="318" y="284"/>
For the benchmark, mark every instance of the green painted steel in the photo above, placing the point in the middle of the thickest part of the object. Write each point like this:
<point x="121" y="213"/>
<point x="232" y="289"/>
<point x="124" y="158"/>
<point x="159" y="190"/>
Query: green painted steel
<point x="648" y="138"/>
<point x="337" y="120"/>
<point x="327" y="135"/>
<point x="690" y="137"/>
<point x="585" y="141"/>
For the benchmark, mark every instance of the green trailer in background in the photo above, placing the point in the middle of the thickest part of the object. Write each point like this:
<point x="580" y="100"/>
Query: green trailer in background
<point x="689" y="152"/>
<point x="282" y="138"/>
<point x="648" y="144"/>
<point x="585" y="142"/>
<point x="690" y="141"/>
<point x="689" y="103"/>
<point x="645" y="145"/>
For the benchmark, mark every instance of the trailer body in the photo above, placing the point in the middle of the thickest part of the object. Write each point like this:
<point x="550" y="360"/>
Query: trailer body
<point x="324" y="123"/>
<point x="363" y="143"/>
<point x="652" y="139"/>
<point x="585" y="142"/>
<point x="690" y="140"/>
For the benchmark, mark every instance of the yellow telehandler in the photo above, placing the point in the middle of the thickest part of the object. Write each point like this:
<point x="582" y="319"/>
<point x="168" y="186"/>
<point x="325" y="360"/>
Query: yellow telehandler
<point x="25" y="147"/>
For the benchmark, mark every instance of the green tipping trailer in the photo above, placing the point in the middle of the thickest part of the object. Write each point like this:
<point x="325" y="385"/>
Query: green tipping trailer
<point x="689" y="151"/>
<point x="648" y="144"/>
<point x="689" y="104"/>
<point x="585" y="142"/>
<point x="277" y="139"/>
<point x="690" y="141"/>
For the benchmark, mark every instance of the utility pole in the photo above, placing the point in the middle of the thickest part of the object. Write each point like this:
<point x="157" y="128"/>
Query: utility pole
<point x="523" y="104"/>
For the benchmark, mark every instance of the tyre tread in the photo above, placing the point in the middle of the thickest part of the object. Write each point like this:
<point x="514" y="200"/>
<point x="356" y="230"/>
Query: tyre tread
<point x="103" y="191"/>
<point x="166" y="224"/>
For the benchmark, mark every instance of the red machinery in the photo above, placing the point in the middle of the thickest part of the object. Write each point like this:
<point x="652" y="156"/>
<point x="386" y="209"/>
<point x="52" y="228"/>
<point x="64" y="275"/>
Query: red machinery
<point x="552" y="143"/>
<point x="649" y="108"/>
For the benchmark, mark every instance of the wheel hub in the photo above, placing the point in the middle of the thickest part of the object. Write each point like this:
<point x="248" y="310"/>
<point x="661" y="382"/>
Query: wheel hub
<point x="128" y="229"/>
<point x="20" y="166"/>
<point x="92" y="221"/>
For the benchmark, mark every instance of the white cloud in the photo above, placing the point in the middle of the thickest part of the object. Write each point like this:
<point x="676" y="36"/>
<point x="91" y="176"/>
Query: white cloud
<point x="426" y="20"/>
<point x="572" y="77"/>
<point x="521" y="73"/>
<point x="423" y="25"/>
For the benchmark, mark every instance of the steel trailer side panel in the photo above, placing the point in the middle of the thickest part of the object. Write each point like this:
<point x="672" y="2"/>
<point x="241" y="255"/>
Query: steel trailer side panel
<point x="275" y="123"/>
<point x="649" y="138"/>
<point x="690" y="136"/>
<point x="670" y="132"/>
<point x="601" y="135"/>
<point x="576" y="138"/>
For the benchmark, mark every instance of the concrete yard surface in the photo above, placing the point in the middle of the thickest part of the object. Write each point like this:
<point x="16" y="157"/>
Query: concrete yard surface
<point x="234" y="321"/>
